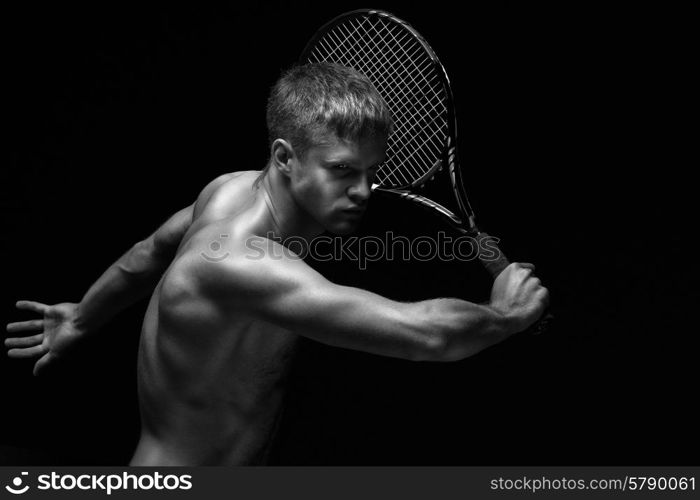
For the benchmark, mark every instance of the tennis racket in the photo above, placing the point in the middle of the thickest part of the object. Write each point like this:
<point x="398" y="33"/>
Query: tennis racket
<point x="409" y="76"/>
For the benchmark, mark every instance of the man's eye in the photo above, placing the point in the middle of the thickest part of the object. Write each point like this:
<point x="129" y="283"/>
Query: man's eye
<point x="342" y="166"/>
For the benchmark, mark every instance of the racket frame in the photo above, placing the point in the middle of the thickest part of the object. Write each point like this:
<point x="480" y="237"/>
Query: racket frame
<point x="467" y="225"/>
<point x="449" y="149"/>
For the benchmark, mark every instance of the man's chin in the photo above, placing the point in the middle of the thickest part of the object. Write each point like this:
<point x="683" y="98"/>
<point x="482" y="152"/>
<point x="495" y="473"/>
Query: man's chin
<point x="343" y="228"/>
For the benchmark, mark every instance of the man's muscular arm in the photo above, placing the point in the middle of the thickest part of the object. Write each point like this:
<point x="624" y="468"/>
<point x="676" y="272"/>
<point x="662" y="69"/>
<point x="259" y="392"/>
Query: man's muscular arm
<point x="137" y="272"/>
<point x="134" y="274"/>
<point x="289" y="293"/>
<point x="131" y="277"/>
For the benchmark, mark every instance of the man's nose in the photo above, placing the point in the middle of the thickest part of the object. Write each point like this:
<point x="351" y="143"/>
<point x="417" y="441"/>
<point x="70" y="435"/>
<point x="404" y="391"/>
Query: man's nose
<point x="360" y="191"/>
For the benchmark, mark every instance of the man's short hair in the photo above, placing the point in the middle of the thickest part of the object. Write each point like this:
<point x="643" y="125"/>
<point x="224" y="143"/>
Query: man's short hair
<point x="310" y="100"/>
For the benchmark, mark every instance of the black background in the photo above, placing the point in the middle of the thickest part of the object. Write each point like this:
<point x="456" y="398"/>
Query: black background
<point x="571" y="124"/>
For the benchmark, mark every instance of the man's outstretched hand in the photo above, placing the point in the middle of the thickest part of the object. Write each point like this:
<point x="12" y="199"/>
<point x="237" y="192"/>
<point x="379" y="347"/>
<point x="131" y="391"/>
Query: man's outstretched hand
<point x="57" y="334"/>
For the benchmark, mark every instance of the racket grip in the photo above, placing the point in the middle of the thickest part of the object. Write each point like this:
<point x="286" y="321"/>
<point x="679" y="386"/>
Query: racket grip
<point x="495" y="263"/>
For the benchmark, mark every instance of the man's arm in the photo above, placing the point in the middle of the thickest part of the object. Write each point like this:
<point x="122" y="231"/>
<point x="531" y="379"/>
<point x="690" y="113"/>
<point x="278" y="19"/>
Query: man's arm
<point x="134" y="274"/>
<point x="289" y="293"/>
<point x="137" y="272"/>
<point x="131" y="277"/>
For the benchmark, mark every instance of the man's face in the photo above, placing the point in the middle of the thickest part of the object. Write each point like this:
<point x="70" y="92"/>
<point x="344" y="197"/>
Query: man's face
<point x="332" y="181"/>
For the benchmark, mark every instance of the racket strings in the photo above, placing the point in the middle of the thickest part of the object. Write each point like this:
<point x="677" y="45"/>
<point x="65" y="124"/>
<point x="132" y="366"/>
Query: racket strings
<point x="412" y="117"/>
<point x="342" y="47"/>
<point x="421" y="67"/>
<point x="404" y="74"/>
<point x="374" y="66"/>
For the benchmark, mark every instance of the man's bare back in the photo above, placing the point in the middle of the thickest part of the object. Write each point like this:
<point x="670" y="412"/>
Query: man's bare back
<point x="210" y="381"/>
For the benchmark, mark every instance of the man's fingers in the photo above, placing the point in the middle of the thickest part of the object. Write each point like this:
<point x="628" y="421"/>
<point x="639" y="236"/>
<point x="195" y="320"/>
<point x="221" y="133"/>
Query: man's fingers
<point x="25" y="326"/>
<point x="30" y="305"/>
<point x="544" y="295"/>
<point x="24" y="341"/>
<point x="29" y="352"/>
<point x="527" y="265"/>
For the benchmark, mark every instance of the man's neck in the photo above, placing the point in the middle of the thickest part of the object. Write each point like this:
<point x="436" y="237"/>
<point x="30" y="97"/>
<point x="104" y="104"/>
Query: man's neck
<point x="287" y="217"/>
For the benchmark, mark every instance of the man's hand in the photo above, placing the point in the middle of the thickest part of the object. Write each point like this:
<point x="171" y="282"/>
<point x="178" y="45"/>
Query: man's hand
<point x="518" y="294"/>
<point x="59" y="334"/>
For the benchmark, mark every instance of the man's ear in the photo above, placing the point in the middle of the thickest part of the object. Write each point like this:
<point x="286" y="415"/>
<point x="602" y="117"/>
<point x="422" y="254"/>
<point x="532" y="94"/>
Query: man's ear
<point x="282" y="155"/>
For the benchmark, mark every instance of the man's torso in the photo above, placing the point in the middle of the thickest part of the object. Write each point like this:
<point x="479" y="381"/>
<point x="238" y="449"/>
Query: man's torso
<point x="210" y="378"/>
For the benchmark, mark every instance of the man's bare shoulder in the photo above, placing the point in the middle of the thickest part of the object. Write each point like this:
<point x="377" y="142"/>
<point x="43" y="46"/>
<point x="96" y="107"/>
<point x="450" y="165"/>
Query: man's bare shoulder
<point x="241" y="176"/>
<point x="226" y="193"/>
<point x="227" y="262"/>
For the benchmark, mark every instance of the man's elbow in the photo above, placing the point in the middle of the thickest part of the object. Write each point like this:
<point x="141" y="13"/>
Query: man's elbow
<point x="431" y="332"/>
<point x="140" y="262"/>
<point x="447" y="341"/>
<point x="432" y="346"/>
<point x="439" y="347"/>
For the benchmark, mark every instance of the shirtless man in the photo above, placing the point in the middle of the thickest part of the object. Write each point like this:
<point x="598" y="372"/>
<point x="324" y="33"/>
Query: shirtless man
<point x="224" y="318"/>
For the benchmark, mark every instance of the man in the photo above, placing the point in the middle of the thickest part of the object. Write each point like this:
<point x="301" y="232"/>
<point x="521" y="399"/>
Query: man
<point x="231" y="301"/>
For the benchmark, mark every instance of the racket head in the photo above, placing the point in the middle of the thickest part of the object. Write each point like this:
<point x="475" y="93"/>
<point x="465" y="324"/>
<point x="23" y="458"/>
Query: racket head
<point x="409" y="76"/>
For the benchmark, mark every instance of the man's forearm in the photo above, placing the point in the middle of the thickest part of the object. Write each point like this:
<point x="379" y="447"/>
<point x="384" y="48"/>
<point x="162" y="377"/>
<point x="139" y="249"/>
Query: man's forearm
<point x="129" y="279"/>
<point x="465" y="328"/>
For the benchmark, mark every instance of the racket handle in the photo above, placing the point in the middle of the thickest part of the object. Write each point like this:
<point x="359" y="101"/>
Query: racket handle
<point x="496" y="265"/>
